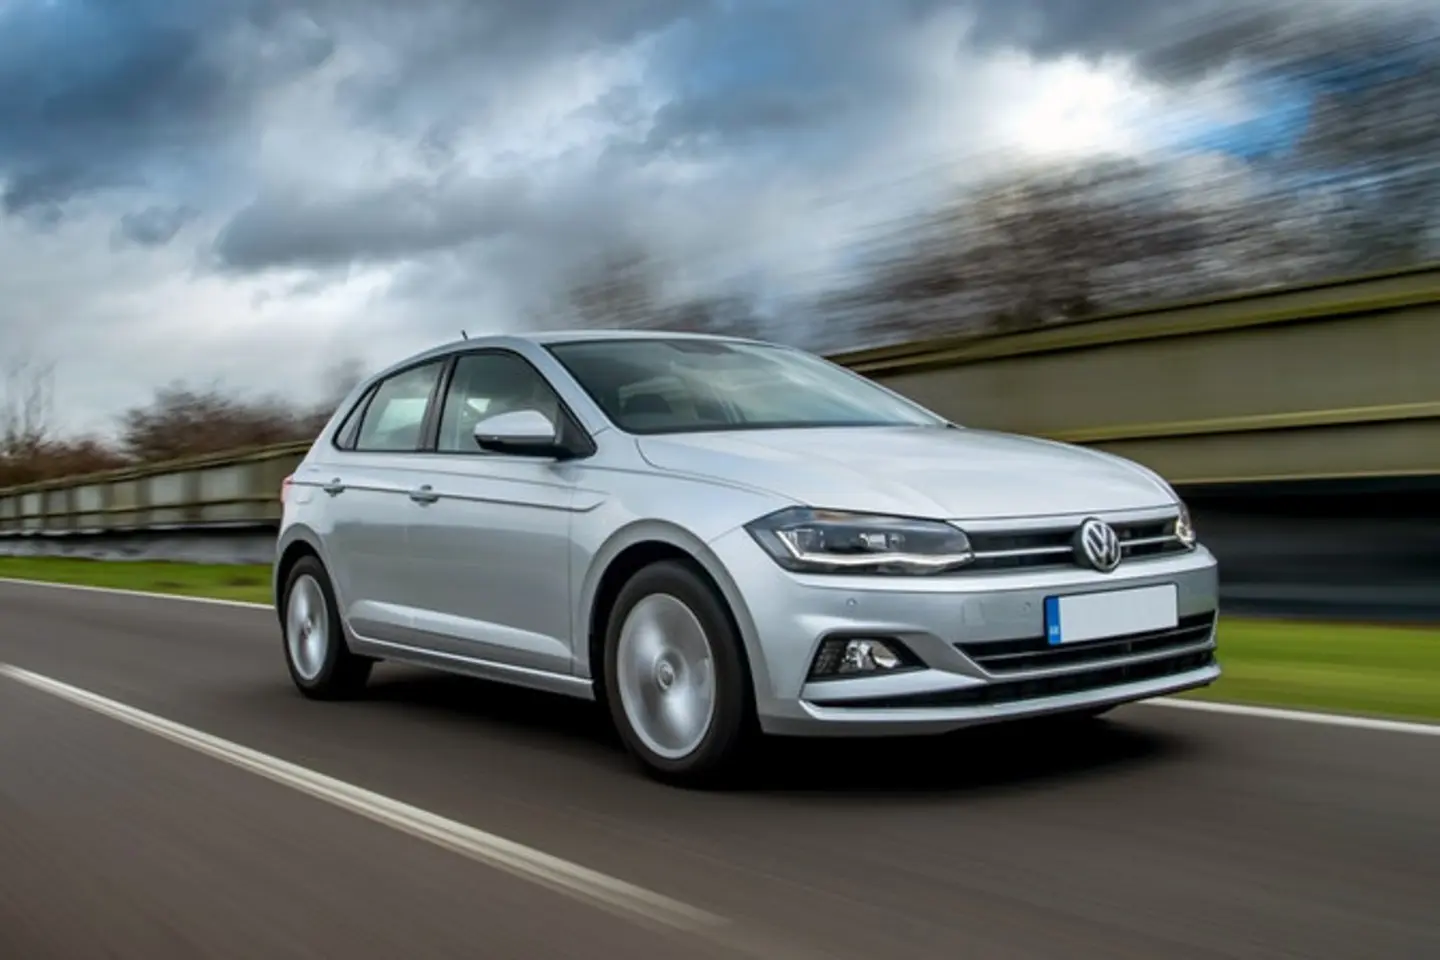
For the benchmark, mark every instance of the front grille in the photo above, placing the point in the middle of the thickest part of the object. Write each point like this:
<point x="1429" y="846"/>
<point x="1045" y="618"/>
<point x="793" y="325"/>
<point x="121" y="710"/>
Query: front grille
<point x="1030" y="549"/>
<point x="1017" y="691"/>
<point x="1002" y="657"/>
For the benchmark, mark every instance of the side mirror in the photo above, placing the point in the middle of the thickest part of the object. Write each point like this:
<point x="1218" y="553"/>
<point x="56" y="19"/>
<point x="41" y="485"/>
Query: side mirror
<point x="525" y="432"/>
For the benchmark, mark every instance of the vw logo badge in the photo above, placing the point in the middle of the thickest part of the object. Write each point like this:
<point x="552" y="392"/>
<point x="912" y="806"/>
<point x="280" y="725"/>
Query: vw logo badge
<point x="1097" y="546"/>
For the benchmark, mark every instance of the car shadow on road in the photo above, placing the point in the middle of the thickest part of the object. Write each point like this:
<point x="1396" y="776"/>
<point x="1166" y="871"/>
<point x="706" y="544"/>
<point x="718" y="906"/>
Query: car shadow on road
<point x="1013" y="756"/>
<point x="987" y="759"/>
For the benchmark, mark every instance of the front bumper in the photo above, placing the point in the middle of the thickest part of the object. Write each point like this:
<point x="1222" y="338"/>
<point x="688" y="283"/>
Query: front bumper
<point x="952" y="624"/>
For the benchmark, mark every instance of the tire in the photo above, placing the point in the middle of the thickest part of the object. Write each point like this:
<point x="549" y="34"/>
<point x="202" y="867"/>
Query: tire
<point x="325" y="668"/>
<point x="666" y="624"/>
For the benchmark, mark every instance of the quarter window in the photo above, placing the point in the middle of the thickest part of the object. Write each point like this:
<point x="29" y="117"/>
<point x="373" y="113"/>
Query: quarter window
<point x="395" y="419"/>
<point x="350" y="426"/>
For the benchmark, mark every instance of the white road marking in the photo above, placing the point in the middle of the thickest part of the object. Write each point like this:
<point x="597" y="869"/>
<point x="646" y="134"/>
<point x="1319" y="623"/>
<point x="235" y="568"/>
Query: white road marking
<point x="568" y="878"/>
<point x="1303" y="716"/>
<point x="1212" y="706"/>
<point x="145" y="594"/>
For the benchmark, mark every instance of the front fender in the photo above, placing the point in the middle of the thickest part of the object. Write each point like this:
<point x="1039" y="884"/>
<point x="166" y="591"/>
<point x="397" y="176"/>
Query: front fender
<point x="677" y="537"/>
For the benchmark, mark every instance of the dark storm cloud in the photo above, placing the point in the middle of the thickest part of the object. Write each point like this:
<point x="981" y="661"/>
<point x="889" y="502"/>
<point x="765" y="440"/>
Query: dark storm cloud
<point x="153" y="94"/>
<point x="438" y="48"/>
<point x="95" y="92"/>
<point x="396" y="221"/>
<point x="1092" y="28"/>
<point x="155" y="225"/>
<point x="757" y="83"/>
<point x="1176" y="41"/>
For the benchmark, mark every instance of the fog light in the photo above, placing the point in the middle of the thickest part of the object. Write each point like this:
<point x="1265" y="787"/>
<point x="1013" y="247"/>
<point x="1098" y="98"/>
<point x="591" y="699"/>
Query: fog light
<point x="858" y="656"/>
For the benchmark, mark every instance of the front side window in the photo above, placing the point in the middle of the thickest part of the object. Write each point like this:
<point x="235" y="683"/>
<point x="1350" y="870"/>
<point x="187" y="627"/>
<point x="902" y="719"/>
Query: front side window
<point x="395" y="418"/>
<point x="649" y="386"/>
<point x="485" y="385"/>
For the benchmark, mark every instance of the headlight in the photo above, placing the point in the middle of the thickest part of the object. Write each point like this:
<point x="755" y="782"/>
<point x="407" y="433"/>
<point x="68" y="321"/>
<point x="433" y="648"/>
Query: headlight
<point x="828" y="541"/>
<point x="1184" y="528"/>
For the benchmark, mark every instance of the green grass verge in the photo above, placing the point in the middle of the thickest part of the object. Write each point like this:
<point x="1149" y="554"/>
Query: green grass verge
<point x="249" y="582"/>
<point x="1344" y="668"/>
<point x="1386" y="671"/>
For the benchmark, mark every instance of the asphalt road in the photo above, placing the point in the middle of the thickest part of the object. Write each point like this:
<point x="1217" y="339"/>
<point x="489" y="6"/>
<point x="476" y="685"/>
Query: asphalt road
<point x="1158" y="834"/>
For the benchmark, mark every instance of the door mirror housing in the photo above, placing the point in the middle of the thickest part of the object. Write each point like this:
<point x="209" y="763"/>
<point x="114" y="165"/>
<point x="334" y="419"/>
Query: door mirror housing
<point x="520" y="432"/>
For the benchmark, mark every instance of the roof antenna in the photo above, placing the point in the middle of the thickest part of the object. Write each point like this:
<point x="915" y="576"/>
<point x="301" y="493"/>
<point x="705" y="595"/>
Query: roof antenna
<point x="464" y="335"/>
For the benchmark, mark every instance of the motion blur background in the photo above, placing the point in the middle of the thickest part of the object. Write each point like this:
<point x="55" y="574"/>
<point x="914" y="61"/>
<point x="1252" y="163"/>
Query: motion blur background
<point x="1204" y="234"/>
<point x="219" y="216"/>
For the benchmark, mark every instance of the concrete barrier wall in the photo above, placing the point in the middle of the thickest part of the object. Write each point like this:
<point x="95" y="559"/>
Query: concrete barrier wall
<point x="1330" y="380"/>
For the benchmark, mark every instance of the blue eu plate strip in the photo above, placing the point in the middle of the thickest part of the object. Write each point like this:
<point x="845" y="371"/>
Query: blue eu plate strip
<point x="1052" y="620"/>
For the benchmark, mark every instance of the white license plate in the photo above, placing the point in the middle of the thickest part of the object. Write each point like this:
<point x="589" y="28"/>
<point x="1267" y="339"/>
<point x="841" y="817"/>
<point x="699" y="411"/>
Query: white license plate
<point x="1114" y="613"/>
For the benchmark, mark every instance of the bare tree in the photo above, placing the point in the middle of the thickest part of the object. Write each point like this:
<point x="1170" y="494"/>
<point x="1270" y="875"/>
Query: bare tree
<point x="339" y="379"/>
<point x="1037" y="246"/>
<point x="183" y="421"/>
<point x="1361" y="138"/>
<point x="31" y="448"/>
<point x="626" y="288"/>
<point x="26" y="407"/>
<point x="621" y="288"/>
<point x="730" y="314"/>
<point x="1373" y="141"/>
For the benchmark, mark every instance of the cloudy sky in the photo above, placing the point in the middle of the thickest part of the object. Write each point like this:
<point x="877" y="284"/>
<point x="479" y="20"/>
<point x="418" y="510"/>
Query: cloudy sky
<point x="248" y="191"/>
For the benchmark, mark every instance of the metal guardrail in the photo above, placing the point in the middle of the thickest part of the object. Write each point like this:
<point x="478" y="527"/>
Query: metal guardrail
<point x="1333" y="380"/>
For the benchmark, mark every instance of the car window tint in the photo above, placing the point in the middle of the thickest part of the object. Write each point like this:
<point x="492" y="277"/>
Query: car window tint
<point x="485" y="385"/>
<point x="395" y="418"/>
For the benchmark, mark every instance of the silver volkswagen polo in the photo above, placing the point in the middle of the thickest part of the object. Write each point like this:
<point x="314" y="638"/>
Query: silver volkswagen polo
<point x="717" y="537"/>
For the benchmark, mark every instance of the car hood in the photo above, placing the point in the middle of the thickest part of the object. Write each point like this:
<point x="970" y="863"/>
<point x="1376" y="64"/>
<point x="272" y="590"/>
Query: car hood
<point x="914" y="471"/>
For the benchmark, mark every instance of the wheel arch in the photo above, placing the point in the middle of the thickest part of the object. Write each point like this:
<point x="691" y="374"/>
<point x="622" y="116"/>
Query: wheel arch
<point x="296" y="542"/>
<point x="626" y="553"/>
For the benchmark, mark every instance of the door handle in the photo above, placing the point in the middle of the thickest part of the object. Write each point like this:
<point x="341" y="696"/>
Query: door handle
<point x="424" y="494"/>
<point x="334" y="487"/>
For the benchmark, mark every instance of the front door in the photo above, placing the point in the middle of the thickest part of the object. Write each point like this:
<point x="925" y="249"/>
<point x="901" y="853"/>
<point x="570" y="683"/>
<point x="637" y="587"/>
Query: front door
<point x="490" y="544"/>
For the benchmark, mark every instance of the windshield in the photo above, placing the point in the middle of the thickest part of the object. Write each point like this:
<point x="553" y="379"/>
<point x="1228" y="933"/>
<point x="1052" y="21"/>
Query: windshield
<point x="681" y="386"/>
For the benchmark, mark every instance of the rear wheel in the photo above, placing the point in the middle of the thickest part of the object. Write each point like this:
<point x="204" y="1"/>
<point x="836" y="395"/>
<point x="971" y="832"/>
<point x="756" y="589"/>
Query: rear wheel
<point x="320" y="662"/>
<point x="676" y="683"/>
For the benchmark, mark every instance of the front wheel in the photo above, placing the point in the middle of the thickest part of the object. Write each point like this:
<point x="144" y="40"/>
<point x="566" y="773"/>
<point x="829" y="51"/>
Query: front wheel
<point x="320" y="662"/>
<point x="676" y="682"/>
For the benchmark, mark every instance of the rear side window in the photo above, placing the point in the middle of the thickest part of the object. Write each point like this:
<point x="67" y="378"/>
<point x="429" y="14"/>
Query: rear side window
<point x="395" y="418"/>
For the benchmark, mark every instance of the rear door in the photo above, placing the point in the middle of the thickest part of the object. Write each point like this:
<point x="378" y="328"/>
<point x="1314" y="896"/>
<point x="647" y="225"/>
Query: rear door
<point x="364" y="482"/>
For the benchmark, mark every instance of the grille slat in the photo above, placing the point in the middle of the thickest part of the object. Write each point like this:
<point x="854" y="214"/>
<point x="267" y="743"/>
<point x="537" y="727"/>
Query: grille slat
<point x="1001" y="657"/>
<point x="1035" y="688"/>
<point x="1034" y="549"/>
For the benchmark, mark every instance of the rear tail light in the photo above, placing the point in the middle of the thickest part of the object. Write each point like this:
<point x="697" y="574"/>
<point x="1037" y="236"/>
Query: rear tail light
<point x="285" y="488"/>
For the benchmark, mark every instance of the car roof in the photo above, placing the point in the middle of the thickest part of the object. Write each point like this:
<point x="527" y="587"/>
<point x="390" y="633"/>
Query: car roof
<point x="583" y="334"/>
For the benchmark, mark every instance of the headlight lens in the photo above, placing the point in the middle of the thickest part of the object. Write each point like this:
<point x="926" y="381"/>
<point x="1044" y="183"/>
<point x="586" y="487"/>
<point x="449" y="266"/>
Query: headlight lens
<point x="827" y="541"/>
<point x="1185" y="529"/>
